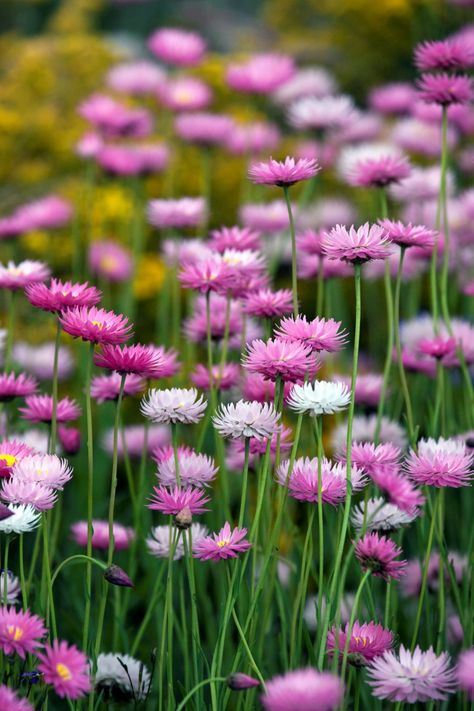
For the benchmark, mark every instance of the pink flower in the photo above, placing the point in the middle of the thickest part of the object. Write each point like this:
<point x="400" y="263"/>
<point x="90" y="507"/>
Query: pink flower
<point x="310" y="81"/>
<point x="225" y="544"/>
<point x="100" y="537"/>
<point x="12" y="386"/>
<point x="310" y="242"/>
<point x="223" y="378"/>
<point x="172" y="501"/>
<point x="378" y="554"/>
<point x="146" y="361"/>
<point x="65" y="668"/>
<point x="39" y="408"/>
<point x="9" y="700"/>
<point x="281" y="358"/>
<point x="253" y="138"/>
<point x="412" y="676"/>
<point x="285" y="173"/>
<point x="185" y="212"/>
<point x="246" y="419"/>
<point x="356" y="246"/>
<point x="61" y="295"/>
<point x="312" y="113"/>
<point x="281" y="439"/>
<point x="207" y="274"/>
<point x="137" y="438"/>
<point x="465" y="672"/>
<point x="89" y="145"/>
<point x="240" y="238"/>
<point x="409" y="235"/>
<point x="368" y="640"/>
<point x="166" y="452"/>
<point x="173" y="405"/>
<point x="269" y="304"/>
<point x="393" y="98"/>
<point x="367" y="389"/>
<point x="449" y="54"/>
<point x="303" y="690"/>
<point x="12" y="452"/>
<point x="69" y="438"/>
<point x="303" y="482"/>
<point x="45" y="469"/>
<point x="136" y="78"/>
<point x="20" y="631"/>
<point x="266" y="217"/>
<point x="17" y="276"/>
<point x="47" y="213"/>
<point x="18" y="491"/>
<point x="185" y="94"/>
<point x="446" y="89"/>
<point x="411" y="583"/>
<point x="107" y="387"/>
<point x="206" y="129"/>
<point x="398" y="489"/>
<point x="257" y="387"/>
<point x="379" y="172"/>
<point x="440" y="463"/>
<point x="437" y="347"/>
<point x="109" y="260"/>
<point x="371" y="457"/>
<point x="261" y="74"/>
<point x="96" y="325"/>
<point x="114" y="119"/>
<point x="176" y="46"/>
<point x="320" y="334"/>
<point x="194" y="469"/>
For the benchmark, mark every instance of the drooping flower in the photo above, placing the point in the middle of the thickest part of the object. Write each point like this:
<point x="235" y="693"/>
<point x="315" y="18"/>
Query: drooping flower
<point x="20" y="491"/>
<point x="96" y="325"/>
<point x="367" y="641"/>
<point x="20" y="631"/>
<point x="319" y="398"/>
<point x="356" y="246"/>
<point x="107" y="387"/>
<point x="283" y="173"/>
<point x="303" y="483"/>
<point x="378" y="554"/>
<point x="320" y="334"/>
<point x="100" y="537"/>
<point x="173" y="405"/>
<point x="446" y="89"/>
<point x="222" y="378"/>
<point x="17" y="276"/>
<point x="412" y="676"/>
<point x="378" y="515"/>
<point x="440" y="463"/>
<point x="39" y="408"/>
<point x="172" y="501"/>
<point x="465" y="672"/>
<point x="25" y="518"/>
<point x="448" y="55"/>
<point x="261" y="74"/>
<point x="9" y="700"/>
<point x="246" y="419"/>
<point x="60" y="295"/>
<point x="227" y="543"/>
<point x="66" y="668"/>
<point x="121" y="677"/>
<point x="46" y="469"/>
<point x="281" y="358"/>
<point x="12" y="386"/>
<point x="178" y="47"/>
<point x="303" y="690"/>
<point x="184" y="212"/>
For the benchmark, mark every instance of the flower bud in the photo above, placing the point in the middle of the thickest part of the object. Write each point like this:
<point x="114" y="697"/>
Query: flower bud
<point x="5" y="512"/>
<point x="240" y="682"/>
<point x="183" y="518"/>
<point x="116" y="576"/>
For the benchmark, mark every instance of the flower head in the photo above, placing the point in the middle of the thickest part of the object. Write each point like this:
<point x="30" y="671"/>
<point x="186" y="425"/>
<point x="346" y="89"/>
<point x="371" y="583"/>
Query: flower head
<point x="446" y="89"/>
<point x="38" y="359"/>
<point x="222" y="378"/>
<point x="319" y="334"/>
<point x="65" y="668"/>
<point x="319" y="398"/>
<point x="20" y="631"/>
<point x="285" y="173"/>
<point x="172" y="501"/>
<point x="227" y="543"/>
<point x="46" y="469"/>
<point x="447" y="55"/>
<point x="185" y="94"/>
<point x="378" y="554"/>
<point x="109" y="260"/>
<point x="379" y="172"/>
<point x="194" y="469"/>
<point x="268" y="217"/>
<point x="253" y="138"/>
<point x="96" y="325"/>
<point x="239" y="682"/>
<point x="269" y="304"/>
<point x="303" y="482"/>
<point x="465" y="672"/>
<point x="122" y="678"/>
<point x="136" y="78"/>
<point x="39" y="408"/>
<point x="174" y="405"/>
<point x="12" y="586"/>
<point x="20" y="491"/>
<point x="17" y="276"/>
<point x="100" y="536"/>
<point x="303" y="690"/>
<point x="240" y="238"/>
<point x="147" y="361"/>
<point x="178" y="47"/>
<point x="207" y="274"/>
<point x="367" y="641"/>
<point x="25" y="518"/>
<point x="60" y="295"/>
<point x="261" y="74"/>
<point x="12" y="386"/>
<point x="205" y="129"/>
<point x="321" y="113"/>
<point x="281" y="358"/>
<point x="158" y="543"/>
<point x="356" y="246"/>
<point x="378" y="515"/>
<point x="107" y="387"/>
<point x="412" y="676"/>
<point x="440" y="463"/>
<point x="70" y="439"/>
<point x="185" y="212"/>
<point x="246" y="419"/>
<point x="9" y="700"/>
<point x="409" y="235"/>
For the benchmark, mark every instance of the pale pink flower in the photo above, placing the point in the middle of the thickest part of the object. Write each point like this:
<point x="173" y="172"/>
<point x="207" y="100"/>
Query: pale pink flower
<point x="227" y="543"/>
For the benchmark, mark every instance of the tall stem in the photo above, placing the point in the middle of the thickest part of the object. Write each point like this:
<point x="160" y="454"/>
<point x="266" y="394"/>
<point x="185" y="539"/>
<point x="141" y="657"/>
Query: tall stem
<point x="54" y="415"/>
<point x="398" y="345"/>
<point x="245" y="476"/>
<point x="294" y="274"/>
<point x="445" y="221"/>
<point x="389" y="352"/>
<point x="354" y="611"/>
<point x="11" y="313"/>
<point x="90" y="496"/>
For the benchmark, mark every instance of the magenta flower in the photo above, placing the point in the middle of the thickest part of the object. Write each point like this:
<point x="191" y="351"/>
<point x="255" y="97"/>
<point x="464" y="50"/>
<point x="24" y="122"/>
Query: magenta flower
<point x="12" y="386"/>
<point x="393" y="98"/>
<point x="185" y="94"/>
<point x="178" y="47"/>
<point x="235" y="457"/>
<point x="377" y="554"/>
<point x="465" y="672"/>
<point x="368" y="640"/>
<point x="195" y="469"/>
<point x="269" y="304"/>
<point x="222" y="378"/>
<point x="398" y="489"/>
<point x="19" y="491"/>
<point x="444" y="55"/>
<point x="107" y="387"/>
<point x="440" y="463"/>
<point x="303" y="481"/>
<point x="207" y="274"/>
<point x="119" y="160"/>
<point x="356" y="246"/>
<point x="268" y="217"/>
<point x="412" y="581"/>
<point x="45" y="469"/>
<point x="173" y="405"/>
<point x="246" y="419"/>
<point x="172" y="501"/>
<point x="110" y="260"/>
<point x="185" y="212"/>
<point x="253" y="138"/>
<point x="17" y="276"/>
<point x="96" y="325"/>
<point x="9" y="700"/>
<point x="61" y="295"/>
<point x="12" y="452"/>
<point x="240" y="238"/>
<point x="65" y="668"/>
<point x="136" y="78"/>
<point x="114" y="119"/>
<point x="371" y="458"/>
<point x="100" y="537"/>
<point x="147" y="361"/>
<point x="412" y="676"/>
<point x="281" y="358"/>
<point x="320" y="334"/>
<point x="227" y="543"/>
<point x="239" y="682"/>
<point x="379" y="172"/>
<point x="409" y="235"/>
<point x="437" y="347"/>
<point x="368" y="388"/>
<point x="20" y="631"/>
<point x="69" y="438"/>
<point x="261" y="74"/>
<point x="39" y="408"/>
<point x="205" y="129"/>
<point x="303" y="690"/>
<point x="163" y="453"/>
<point x="47" y="213"/>
<point x="310" y="242"/>
<point x="312" y="113"/>
<point x="285" y="173"/>
<point x="446" y="89"/>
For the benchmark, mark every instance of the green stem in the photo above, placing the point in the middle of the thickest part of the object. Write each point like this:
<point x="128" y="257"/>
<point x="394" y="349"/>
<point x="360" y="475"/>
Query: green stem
<point x="49" y="585"/>
<point x="318" y="426"/>
<point x="11" y="313"/>
<point x="294" y="273"/>
<point x="212" y="680"/>
<point x="354" y="611"/>
<point x="148" y="613"/>
<point x="54" y="418"/>
<point x="298" y="604"/>
<point x="24" y="592"/>
<point x="398" y="345"/>
<point x="389" y="352"/>
<point x="245" y="477"/>
<point x="90" y="495"/>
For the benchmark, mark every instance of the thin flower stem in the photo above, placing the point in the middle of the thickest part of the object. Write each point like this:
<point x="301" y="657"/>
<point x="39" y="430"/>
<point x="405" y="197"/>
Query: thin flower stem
<point x="5" y="570"/>
<point x="204" y="682"/>
<point x="294" y="273"/>
<point x="301" y="589"/>
<point x="398" y="346"/>
<point x="50" y="609"/>
<point x="225" y="340"/>
<point x="174" y="441"/>
<point x="245" y="477"/>
<point x="389" y="352"/>
<point x="212" y="394"/>
<point x="11" y="313"/>
<point x="90" y="495"/>
<point x="167" y="629"/>
<point x="195" y="632"/>
<point x="54" y="418"/>
<point x="206" y="160"/>
<point x="444" y="212"/>
<point x="24" y="591"/>
<point x="149" y="611"/>
<point x="318" y="427"/>
<point x="354" y="611"/>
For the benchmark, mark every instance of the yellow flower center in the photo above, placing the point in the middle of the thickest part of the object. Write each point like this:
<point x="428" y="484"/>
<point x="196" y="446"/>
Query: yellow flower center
<point x="362" y="640"/>
<point x="9" y="459"/>
<point x="108" y="262"/>
<point x="221" y="544"/>
<point x="183" y="95"/>
<point x="99" y="324"/>
<point x="63" y="671"/>
<point x="15" y="632"/>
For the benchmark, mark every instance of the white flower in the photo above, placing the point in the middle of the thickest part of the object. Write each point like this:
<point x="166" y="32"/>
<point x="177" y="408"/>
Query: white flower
<point x="158" y="543"/>
<point x="326" y="112"/>
<point x="363" y="430"/>
<point x="13" y="588"/>
<point x="25" y="518"/>
<point x="380" y="516"/>
<point x="311" y="81"/>
<point x="431" y="447"/>
<point x="174" y="405"/>
<point x="319" y="398"/>
<point x="133" y="681"/>
<point x="247" y="419"/>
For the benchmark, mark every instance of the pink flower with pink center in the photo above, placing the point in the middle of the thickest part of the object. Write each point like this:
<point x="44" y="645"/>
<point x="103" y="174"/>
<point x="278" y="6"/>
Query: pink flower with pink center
<point x="261" y="74"/>
<point x="110" y="260"/>
<point x="268" y="217"/>
<point x="65" y="668"/>
<point x="356" y="246"/>
<point x="303" y="483"/>
<point x="196" y="470"/>
<point x="153" y="157"/>
<point x="447" y="55"/>
<point x="446" y="89"/>
<point x="172" y="501"/>
<point x="378" y="554"/>
<point x="60" y="295"/>
<point x="280" y="358"/>
<point x="9" y="700"/>
<point x="368" y="388"/>
<point x="320" y="334"/>
<point x="240" y="238"/>
<point x="223" y="378"/>
<point x="205" y="129"/>
<point x="185" y="94"/>
<point x="371" y="458"/>
<point x="398" y="488"/>
<point x="19" y="491"/>
<point x="96" y="325"/>
<point x="253" y="138"/>
<point x="257" y="387"/>
<point x="412" y="582"/>
<point x="12" y="452"/>
<point x="269" y="304"/>
<point x="184" y="212"/>
<point x="235" y="457"/>
<point x="39" y="408"/>
<point x="163" y="453"/>
<point x="100" y="538"/>
<point x="12" y="386"/>
<point x="139" y="78"/>
<point x="408" y="235"/>
<point x="393" y="98"/>
<point x="18" y="276"/>
<point x="465" y="672"/>
<point x="208" y="274"/>
<point x="70" y="439"/>
<point x="147" y="361"/>
<point x="310" y="242"/>
<point x="283" y="173"/>
<point x="227" y="543"/>
<point x="178" y="47"/>
<point x="114" y="119"/>
<point x="440" y="463"/>
<point x="119" y="160"/>
<point x="195" y="326"/>
<point x="437" y="347"/>
<point x="379" y="172"/>
<point x="367" y="641"/>
<point x="20" y="631"/>
<point x="50" y="212"/>
<point x="303" y="690"/>
<point x="107" y="387"/>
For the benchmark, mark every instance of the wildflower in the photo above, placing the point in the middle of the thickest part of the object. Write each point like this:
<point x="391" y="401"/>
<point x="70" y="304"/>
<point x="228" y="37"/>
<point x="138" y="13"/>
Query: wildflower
<point x="137" y="437"/>
<point x="393" y="98"/>
<point x="185" y="94"/>
<point x="377" y="554"/>
<point x="246" y="419"/>
<point x="100" y="534"/>
<point x="136" y="78"/>
<point x="172" y="501"/>
<point x="227" y="543"/>
<point x="269" y="304"/>
<point x="465" y="672"/>
<point x="205" y="129"/>
<point x="39" y="408"/>
<point x="121" y="677"/>
<point x="174" y="405"/>
<point x="268" y="217"/>
<point x="117" y="576"/>
<point x="310" y="81"/>
<point x="378" y="515"/>
<point x="314" y="113"/>
<point x="412" y="581"/>
<point x="319" y="398"/>
<point x="46" y="469"/>
<point x="412" y="676"/>
<point x="178" y="47"/>
<point x="440" y="463"/>
<point x="65" y="668"/>
<point x="146" y="361"/>
<point x="17" y="276"/>
<point x="12" y="386"/>
<point x="222" y="378"/>
<point x="409" y="235"/>
<point x="303" y="690"/>
<point x="158" y="543"/>
<point x="379" y="172"/>
<point x="20" y="631"/>
<point x="261" y="74"/>
<point x="96" y="325"/>
<point x="61" y="295"/>
<point x="319" y="334"/>
<point x="11" y="451"/>
<point x="110" y="261"/>
<point x="303" y="483"/>
<point x="240" y="238"/>
<point x="208" y="274"/>
<point x="194" y="469"/>
<point x="356" y="246"/>
<point x="281" y="440"/>
<point x="446" y="89"/>
<point x="18" y="491"/>
<point x="114" y="119"/>
<point x="9" y="700"/>
<point x="363" y="430"/>
<point x="281" y="358"/>
<point x="39" y="360"/>
<point x="253" y="138"/>
<point x="449" y="54"/>
<point x="285" y="173"/>
<point x="239" y="682"/>
<point x="368" y="641"/>
<point x="185" y="212"/>
<point x="107" y="387"/>
<point x="437" y="347"/>
<point x="368" y="388"/>
<point x="24" y="519"/>
<point x="12" y="586"/>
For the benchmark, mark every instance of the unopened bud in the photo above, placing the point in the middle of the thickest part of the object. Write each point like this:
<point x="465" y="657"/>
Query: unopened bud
<point x="183" y="518"/>
<point x="116" y="576"/>
<point x="240" y="682"/>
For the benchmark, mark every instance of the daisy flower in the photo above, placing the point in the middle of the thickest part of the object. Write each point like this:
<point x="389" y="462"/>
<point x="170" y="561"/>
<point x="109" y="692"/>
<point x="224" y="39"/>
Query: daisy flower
<point x="184" y="212"/>
<point x="185" y="94"/>
<point x="123" y="676"/>
<point x="20" y="631"/>
<point x="17" y="276"/>
<point x="107" y="387"/>
<point x="222" y="378"/>
<point x="147" y="361"/>
<point x="177" y="47"/>
<point x="465" y="672"/>
<point x="283" y="174"/>
<point x="9" y="700"/>
<point x="25" y="518"/>
<point x="234" y="238"/>
<point x="18" y="491"/>
<point x="205" y="129"/>
<point x="356" y="246"/>
<point x="440" y="463"/>
<point x="303" y="690"/>
<point x="100" y="537"/>
<point x="158" y="543"/>
<point x="173" y="405"/>
<point x="12" y="386"/>
<point x="39" y="408"/>
<point x="319" y="398"/>
<point x="46" y="469"/>
<point x="446" y="89"/>
<point x="172" y="501"/>
<point x="246" y="419"/>
<point x="367" y="641"/>
<point x="194" y="469"/>
<point x="320" y="113"/>
<point x="409" y="235"/>
<point x="379" y="172"/>
<point x="96" y="325"/>
<point x="208" y="274"/>
<point x="449" y="54"/>
<point x="61" y="295"/>
<point x="261" y="74"/>
<point x="109" y="260"/>
<point x="378" y="515"/>
<point x="227" y="543"/>
<point x="303" y="483"/>
<point x="378" y="554"/>
<point x="65" y="668"/>
<point x="319" y="334"/>
<point x="281" y="358"/>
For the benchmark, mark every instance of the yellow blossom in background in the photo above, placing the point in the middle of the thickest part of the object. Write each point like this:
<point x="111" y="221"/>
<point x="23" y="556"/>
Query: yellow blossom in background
<point x="150" y="276"/>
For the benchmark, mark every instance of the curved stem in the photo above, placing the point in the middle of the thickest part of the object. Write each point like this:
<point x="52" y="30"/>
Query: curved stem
<point x="212" y="680"/>
<point x="77" y="557"/>
<point x="294" y="274"/>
